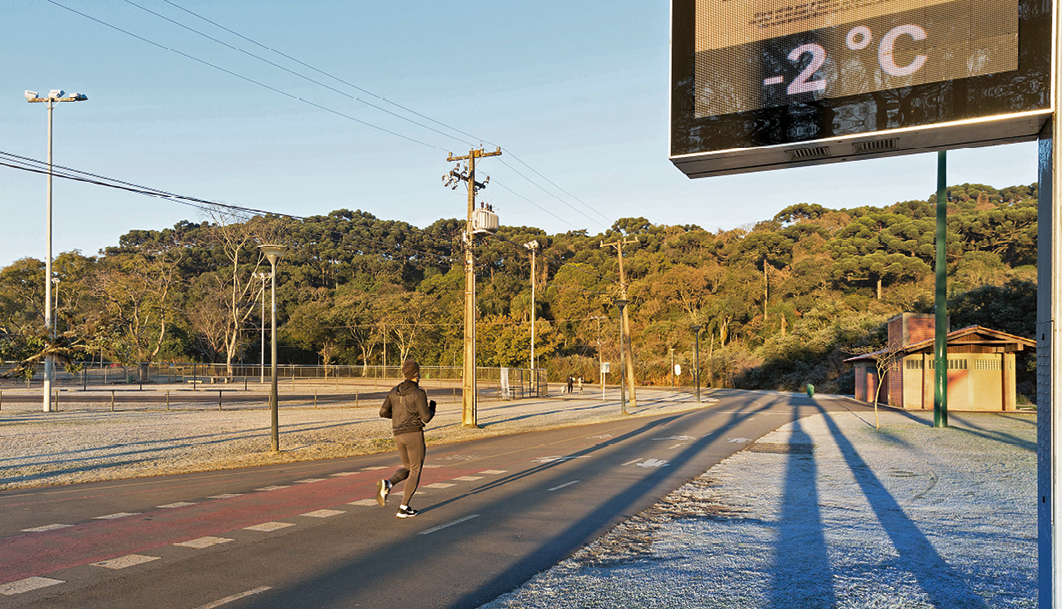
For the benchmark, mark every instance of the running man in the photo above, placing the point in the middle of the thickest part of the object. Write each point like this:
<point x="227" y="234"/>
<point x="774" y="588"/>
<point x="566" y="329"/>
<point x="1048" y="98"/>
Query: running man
<point x="409" y="410"/>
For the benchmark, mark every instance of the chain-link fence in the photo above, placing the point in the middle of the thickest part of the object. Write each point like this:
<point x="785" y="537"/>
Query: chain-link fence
<point x="504" y="383"/>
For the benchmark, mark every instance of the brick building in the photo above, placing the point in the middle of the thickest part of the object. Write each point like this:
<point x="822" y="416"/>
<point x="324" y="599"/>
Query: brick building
<point x="981" y="373"/>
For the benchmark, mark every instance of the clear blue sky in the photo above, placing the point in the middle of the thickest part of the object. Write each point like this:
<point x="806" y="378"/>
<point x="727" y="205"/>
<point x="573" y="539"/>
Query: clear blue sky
<point x="577" y="91"/>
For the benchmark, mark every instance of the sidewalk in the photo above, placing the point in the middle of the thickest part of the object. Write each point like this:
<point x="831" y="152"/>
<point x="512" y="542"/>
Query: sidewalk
<point x="829" y="512"/>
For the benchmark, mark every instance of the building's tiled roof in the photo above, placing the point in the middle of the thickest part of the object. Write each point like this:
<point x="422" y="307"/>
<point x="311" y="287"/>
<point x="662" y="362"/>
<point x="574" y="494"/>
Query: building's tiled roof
<point x="989" y="337"/>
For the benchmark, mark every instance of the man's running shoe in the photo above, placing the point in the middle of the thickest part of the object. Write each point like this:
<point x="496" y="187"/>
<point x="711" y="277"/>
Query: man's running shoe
<point x="406" y="512"/>
<point x="382" y="488"/>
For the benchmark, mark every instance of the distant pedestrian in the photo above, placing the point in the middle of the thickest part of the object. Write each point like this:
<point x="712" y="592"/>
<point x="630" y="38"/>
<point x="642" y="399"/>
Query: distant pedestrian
<point x="409" y="410"/>
<point x="570" y="382"/>
<point x="580" y="381"/>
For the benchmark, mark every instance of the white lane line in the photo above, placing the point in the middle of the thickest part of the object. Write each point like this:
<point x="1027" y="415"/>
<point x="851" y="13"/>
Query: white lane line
<point x="267" y="527"/>
<point x="323" y="513"/>
<point x="202" y="542"/>
<point x="309" y="480"/>
<point x="439" y="484"/>
<point x="47" y="527"/>
<point x="234" y="597"/>
<point x="226" y="496"/>
<point x="433" y="466"/>
<point x="494" y="471"/>
<point x="557" y="488"/>
<point x="674" y="446"/>
<point x="629" y="462"/>
<point x="373" y="468"/>
<point x="469" y="478"/>
<point x="118" y="515"/>
<point x="449" y="524"/>
<point x="129" y="560"/>
<point x="271" y="488"/>
<point x="343" y="474"/>
<point x="179" y="504"/>
<point x="363" y="502"/>
<point x="27" y="585"/>
<point x="557" y="458"/>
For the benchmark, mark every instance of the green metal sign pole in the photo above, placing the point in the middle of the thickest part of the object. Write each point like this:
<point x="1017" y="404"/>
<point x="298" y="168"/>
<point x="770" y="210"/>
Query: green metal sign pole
<point x="940" y="347"/>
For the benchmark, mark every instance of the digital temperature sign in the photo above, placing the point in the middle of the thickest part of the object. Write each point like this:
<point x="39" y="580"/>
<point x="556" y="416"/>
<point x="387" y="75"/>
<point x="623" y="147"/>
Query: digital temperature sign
<point x="764" y="84"/>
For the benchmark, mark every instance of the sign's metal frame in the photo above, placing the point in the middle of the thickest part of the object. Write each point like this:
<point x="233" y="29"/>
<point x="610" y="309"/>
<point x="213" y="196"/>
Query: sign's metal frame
<point x="696" y="159"/>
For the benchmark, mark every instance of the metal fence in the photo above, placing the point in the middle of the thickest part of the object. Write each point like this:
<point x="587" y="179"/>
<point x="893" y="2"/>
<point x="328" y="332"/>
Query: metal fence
<point x="506" y="383"/>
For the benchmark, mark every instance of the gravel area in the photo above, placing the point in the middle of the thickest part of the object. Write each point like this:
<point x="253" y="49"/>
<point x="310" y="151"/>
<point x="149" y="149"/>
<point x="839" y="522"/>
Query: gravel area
<point x="829" y="512"/>
<point x="87" y="442"/>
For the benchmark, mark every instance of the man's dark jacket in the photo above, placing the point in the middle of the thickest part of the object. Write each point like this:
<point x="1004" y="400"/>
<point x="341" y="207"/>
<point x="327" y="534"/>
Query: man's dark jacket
<point x="407" y="407"/>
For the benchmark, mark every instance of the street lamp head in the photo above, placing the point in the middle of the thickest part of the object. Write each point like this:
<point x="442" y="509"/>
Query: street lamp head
<point x="79" y="97"/>
<point x="696" y="327"/>
<point x="273" y="251"/>
<point x="531" y="245"/>
<point x="56" y="93"/>
<point x="621" y="302"/>
<point x="31" y="95"/>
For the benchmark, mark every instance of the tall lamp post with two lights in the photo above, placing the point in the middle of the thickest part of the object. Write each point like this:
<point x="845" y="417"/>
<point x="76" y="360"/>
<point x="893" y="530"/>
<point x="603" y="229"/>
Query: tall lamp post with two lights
<point x="54" y="96"/>
<point x="273" y="253"/>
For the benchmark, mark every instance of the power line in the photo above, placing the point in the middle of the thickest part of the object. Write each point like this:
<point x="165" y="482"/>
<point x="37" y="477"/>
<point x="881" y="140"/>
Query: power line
<point x="280" y="67"/>
<point x="356" y="87"/>
<point x="509" y="152"/>
<point x="247" y="79"/>
<point x="332" y="76"/>
<point x="22" y="163"/>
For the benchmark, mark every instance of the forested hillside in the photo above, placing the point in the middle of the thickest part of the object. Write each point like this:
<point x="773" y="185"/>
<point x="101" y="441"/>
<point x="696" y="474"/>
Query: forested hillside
<point x="781" y="302"/>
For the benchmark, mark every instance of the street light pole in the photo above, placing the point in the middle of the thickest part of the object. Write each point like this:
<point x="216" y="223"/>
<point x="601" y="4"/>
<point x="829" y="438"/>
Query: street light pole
<point x="55" y="95"/>
<point x="600" y="356"/>
<point x="532" y="245"/>
<point x="671" y="350"/>
<point x="273" y="253"/>
<point x="697" y="358"/>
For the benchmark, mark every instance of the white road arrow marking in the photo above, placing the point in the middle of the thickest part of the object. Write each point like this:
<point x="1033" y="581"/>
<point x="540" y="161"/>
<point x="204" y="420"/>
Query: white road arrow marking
<point x="738" y="440"/>
<point x="654" y="463"/>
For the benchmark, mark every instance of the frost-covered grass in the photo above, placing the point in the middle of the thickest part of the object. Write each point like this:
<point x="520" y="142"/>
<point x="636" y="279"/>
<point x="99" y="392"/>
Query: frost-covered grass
<point x="86" y="442"/>
<point x="903" y="517"/>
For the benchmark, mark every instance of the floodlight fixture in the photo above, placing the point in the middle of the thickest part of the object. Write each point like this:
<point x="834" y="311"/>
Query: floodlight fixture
<point x="31" y="94"/>
<point x="56" y="93"/>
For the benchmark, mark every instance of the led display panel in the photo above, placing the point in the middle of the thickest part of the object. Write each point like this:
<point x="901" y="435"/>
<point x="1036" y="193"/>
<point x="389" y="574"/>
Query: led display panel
<point x="765" y="84"/>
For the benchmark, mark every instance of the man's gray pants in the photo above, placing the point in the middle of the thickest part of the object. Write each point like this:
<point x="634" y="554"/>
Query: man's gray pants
<point x="411" y="451"/>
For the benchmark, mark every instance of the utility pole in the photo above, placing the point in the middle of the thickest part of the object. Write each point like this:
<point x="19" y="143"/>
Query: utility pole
<point x="625" y="349"/>
<point x="468" y="384"/>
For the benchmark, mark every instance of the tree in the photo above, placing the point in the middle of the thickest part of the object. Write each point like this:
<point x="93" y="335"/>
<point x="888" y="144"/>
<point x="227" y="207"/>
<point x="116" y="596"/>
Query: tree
<point x="137" y="295"/>
<point x="883" y="247"/>
<point x="236" y="236"/>
<point x="885" y="360"/>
